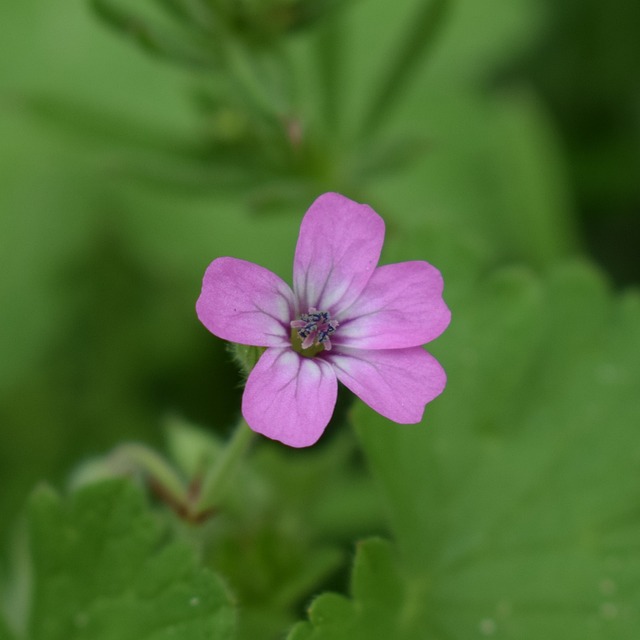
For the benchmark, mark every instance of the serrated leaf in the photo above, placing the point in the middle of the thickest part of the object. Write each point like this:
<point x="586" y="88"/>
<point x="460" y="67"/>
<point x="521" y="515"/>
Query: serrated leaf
<point x="382" y="607"/>
<point x="102" y="572"/>
<point x="515" y="503"/>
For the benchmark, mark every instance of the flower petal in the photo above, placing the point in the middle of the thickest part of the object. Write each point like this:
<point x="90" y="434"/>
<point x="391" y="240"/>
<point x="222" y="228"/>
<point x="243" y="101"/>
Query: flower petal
<point x="400" y="307"/>
<point x="290" y="398"/>
<point x="243" y="302"/>
<point x="397" y="383"/>
<point x="338" y="249"/>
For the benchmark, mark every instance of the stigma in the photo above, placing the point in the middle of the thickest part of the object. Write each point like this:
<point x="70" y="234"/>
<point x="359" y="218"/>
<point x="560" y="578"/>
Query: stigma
<point x="315" y="328"/>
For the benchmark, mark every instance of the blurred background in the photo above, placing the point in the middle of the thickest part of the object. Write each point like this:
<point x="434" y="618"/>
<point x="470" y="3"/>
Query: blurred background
<point x="140" y="140"/>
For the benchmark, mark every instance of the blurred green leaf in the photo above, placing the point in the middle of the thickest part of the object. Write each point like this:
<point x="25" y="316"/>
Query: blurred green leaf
<point x="586" y="69"/>
<point x="155" y="39"/>
<point x="101" y="571"/>
<point x="330" y="50"/>
<point x="96" y="125"/>
<point x="196" y="13"/>
<point x="376" y="611"/>
<point x="5" y="634"/>
<point x="494" y="170"/>
<point x="515" y="502"/>
<point x="534" y="476"/>
<point x="382" y="158"/>
<point x="308" y="12"/>
<point x="420" y="35"/>
<point x="178" y="8"/>
<point x="192" y="449"/>
<point x="480" y="39"/>
<point x="285" y="529"/>
<point x="477" y="39"/>
<point x="535" y="192"/>
<point x="265" y="21"/>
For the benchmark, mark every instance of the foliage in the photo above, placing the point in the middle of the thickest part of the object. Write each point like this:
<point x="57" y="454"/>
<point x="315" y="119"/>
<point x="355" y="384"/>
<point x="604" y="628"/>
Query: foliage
<point x="492" y="147"/>
<point x="514" y="510"/>
<point x="100" y="567"/>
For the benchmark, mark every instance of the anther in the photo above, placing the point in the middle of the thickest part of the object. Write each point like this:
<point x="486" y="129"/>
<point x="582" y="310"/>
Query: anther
<point x="315" y="327"/>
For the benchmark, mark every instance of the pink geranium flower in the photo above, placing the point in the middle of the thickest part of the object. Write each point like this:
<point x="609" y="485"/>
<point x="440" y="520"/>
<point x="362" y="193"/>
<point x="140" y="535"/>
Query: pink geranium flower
<point x="346" y="319"/>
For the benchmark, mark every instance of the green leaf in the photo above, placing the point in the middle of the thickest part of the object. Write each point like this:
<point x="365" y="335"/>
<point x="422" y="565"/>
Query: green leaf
<point x="421" y="34"/>
<point x="375" y="612"/>
<point x="101" y="571"/>
<point x="195" y="13"/>
<point x="5" y="634"/>
<point x="540" y="217"/>
<point x="193" y="449"/>
<point x="155" y="39"/>
<point x="515" y="503"/>
<point x="285" y="528"/>
<point x="481" y="38"/>
<point x="492" y="169"/>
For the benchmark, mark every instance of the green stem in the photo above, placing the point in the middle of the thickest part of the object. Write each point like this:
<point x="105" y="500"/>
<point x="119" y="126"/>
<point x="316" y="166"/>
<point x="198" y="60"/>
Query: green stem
<point x="216" y="481"/>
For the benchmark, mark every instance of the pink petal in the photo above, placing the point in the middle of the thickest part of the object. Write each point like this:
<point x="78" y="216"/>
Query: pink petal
<point x="400" y="307"/>
<point x="397" y="383"/>
<point x="338" y="249"/>
<point x="243" y="302"/>
<point x="290" y="398"/>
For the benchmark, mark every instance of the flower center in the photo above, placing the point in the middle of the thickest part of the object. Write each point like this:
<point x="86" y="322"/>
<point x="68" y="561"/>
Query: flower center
<point x="311" y="334"/>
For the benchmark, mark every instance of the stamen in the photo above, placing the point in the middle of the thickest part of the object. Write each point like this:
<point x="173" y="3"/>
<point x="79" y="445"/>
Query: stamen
<point x="315" y="328"/>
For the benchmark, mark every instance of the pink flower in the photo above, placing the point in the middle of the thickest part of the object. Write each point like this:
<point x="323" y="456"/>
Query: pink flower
<point x="346" y="319"/>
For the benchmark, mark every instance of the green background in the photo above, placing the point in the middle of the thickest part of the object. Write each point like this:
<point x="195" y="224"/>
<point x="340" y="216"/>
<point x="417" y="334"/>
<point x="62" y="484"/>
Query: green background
<point x="506" y="152"/>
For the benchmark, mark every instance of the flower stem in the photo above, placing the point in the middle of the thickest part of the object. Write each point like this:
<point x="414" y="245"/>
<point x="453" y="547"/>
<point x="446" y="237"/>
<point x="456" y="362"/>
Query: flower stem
<point x="216" y="481"/>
